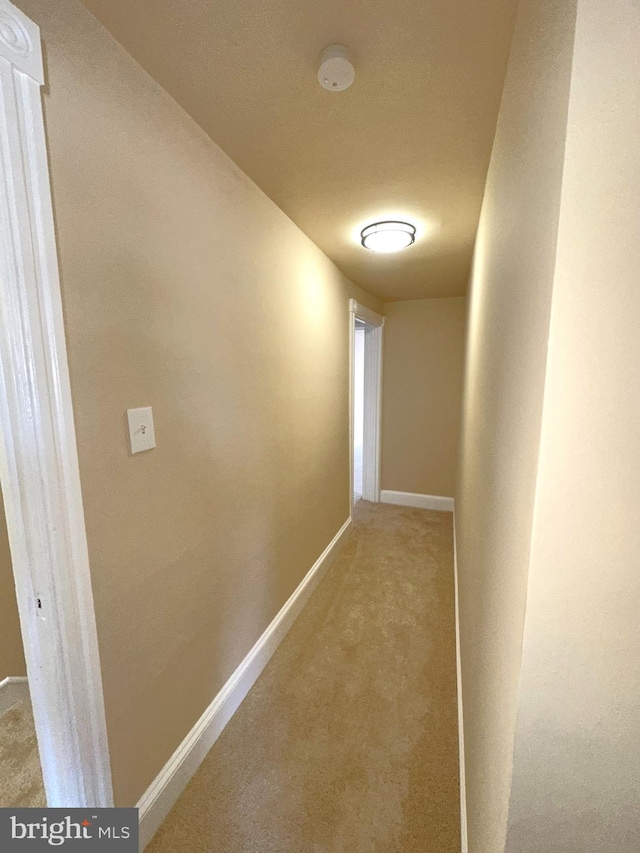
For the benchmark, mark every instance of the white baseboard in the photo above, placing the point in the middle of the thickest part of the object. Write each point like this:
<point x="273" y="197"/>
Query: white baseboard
<point x="12" y="689"/>
<point x="420" y="501"/>
<point x="464" y="841"/>
<point x="159" y="798"/>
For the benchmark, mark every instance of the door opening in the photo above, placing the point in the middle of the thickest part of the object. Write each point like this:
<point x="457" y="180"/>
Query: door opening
<point x="358" y="408"/>
<point x="366" y="402"/>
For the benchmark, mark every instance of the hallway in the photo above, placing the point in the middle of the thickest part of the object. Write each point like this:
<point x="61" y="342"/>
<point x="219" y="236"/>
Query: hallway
<point x="348" y="741"/>
<point x="199" y="201"/>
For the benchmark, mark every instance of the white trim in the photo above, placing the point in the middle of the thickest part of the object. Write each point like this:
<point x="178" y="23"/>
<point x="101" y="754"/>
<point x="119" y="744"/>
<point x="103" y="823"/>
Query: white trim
<point x="157" y="801"/>
<point x="443" y="504"/>
<point x="464" y="841"/>
<point x="352" y="370"/>
<point x="38" y="455"/>
<point x="365" y="313"/>
<point x="371" y="444"/>
<point x="12" y="690"/>
<point x="373" y="341"/>
<point x="20" y="42"/>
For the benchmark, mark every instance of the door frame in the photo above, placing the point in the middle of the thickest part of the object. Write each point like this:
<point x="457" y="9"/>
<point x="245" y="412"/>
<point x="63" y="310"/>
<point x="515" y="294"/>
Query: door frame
<point x="371" y="445"/>
<point x="38" y="453"/>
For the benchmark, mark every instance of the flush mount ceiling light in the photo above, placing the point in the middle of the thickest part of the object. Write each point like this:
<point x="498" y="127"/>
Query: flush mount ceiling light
<point x="388" y="236"/>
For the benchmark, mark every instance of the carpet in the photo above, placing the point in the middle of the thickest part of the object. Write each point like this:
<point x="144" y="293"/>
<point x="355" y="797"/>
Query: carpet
<point x="348" y="741"/>
<point x="20" y="774"/>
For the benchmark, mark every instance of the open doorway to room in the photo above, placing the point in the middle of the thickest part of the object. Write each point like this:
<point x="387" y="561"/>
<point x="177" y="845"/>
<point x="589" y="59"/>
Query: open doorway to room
<point x="366" y="402"/>
<point x="358" y="408"/>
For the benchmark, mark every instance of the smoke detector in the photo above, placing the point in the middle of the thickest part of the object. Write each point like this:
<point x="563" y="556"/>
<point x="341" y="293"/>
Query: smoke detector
<point x="336" y="72"/>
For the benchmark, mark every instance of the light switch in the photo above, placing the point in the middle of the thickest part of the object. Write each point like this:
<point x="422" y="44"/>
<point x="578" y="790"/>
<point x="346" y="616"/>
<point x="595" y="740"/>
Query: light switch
<point x="141" y="432"/>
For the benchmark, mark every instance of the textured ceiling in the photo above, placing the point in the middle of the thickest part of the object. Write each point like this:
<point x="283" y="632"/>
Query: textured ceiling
<point x="411" y="137"/>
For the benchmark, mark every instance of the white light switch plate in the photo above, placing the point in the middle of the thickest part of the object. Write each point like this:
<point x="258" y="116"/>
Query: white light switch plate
<point x="141" y="432"/>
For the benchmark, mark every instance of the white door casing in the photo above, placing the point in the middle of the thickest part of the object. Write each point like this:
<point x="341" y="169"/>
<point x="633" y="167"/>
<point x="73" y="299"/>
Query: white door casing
<point x="38" y="454"/>
<point x="371" y="445"/>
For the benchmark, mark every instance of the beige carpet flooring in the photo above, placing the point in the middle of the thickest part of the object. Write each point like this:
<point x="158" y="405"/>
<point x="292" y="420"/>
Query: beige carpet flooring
<point x="348" y="741"/>
<point x="20" y="774"/>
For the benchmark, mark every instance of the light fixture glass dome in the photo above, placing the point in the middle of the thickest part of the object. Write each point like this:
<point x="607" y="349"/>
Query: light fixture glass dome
<point x="388" y="236"/>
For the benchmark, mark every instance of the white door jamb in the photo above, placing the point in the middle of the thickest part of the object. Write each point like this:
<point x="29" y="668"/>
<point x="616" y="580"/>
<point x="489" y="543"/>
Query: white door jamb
<point x="373" y="341"/>
<point x="38" y="454"/>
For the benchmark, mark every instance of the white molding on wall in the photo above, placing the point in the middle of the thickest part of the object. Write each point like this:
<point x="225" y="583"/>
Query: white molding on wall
<point x="352" y="370"/>
<point x="371" y="438"/>
<point x="38" y="454"/>
<point x="366" y="314"/>
<point x="443" y="504"/>
<point x="158" y="800"/>
<point x="464" y="841"/>
<point x="372" y="433"/>
<point x="12" y="690"/>
<point x="20" y="42"/>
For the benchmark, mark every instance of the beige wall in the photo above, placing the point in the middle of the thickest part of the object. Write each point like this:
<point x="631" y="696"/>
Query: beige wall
<point x="185" y="288"/>
<point x="11" y="652"/>
<point x="423" y="367"/>
<point x="549" y="497"/>
<point x="504" y="382"/>
<point x="577" y="758"/>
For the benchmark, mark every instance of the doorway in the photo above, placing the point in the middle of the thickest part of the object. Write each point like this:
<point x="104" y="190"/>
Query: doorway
<point x="366" y="402"/>
<point x="358" y="408"/>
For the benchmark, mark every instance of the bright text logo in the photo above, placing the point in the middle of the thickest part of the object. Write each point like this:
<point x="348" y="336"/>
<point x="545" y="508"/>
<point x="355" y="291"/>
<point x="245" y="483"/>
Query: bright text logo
<point x="30" y="830"/>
